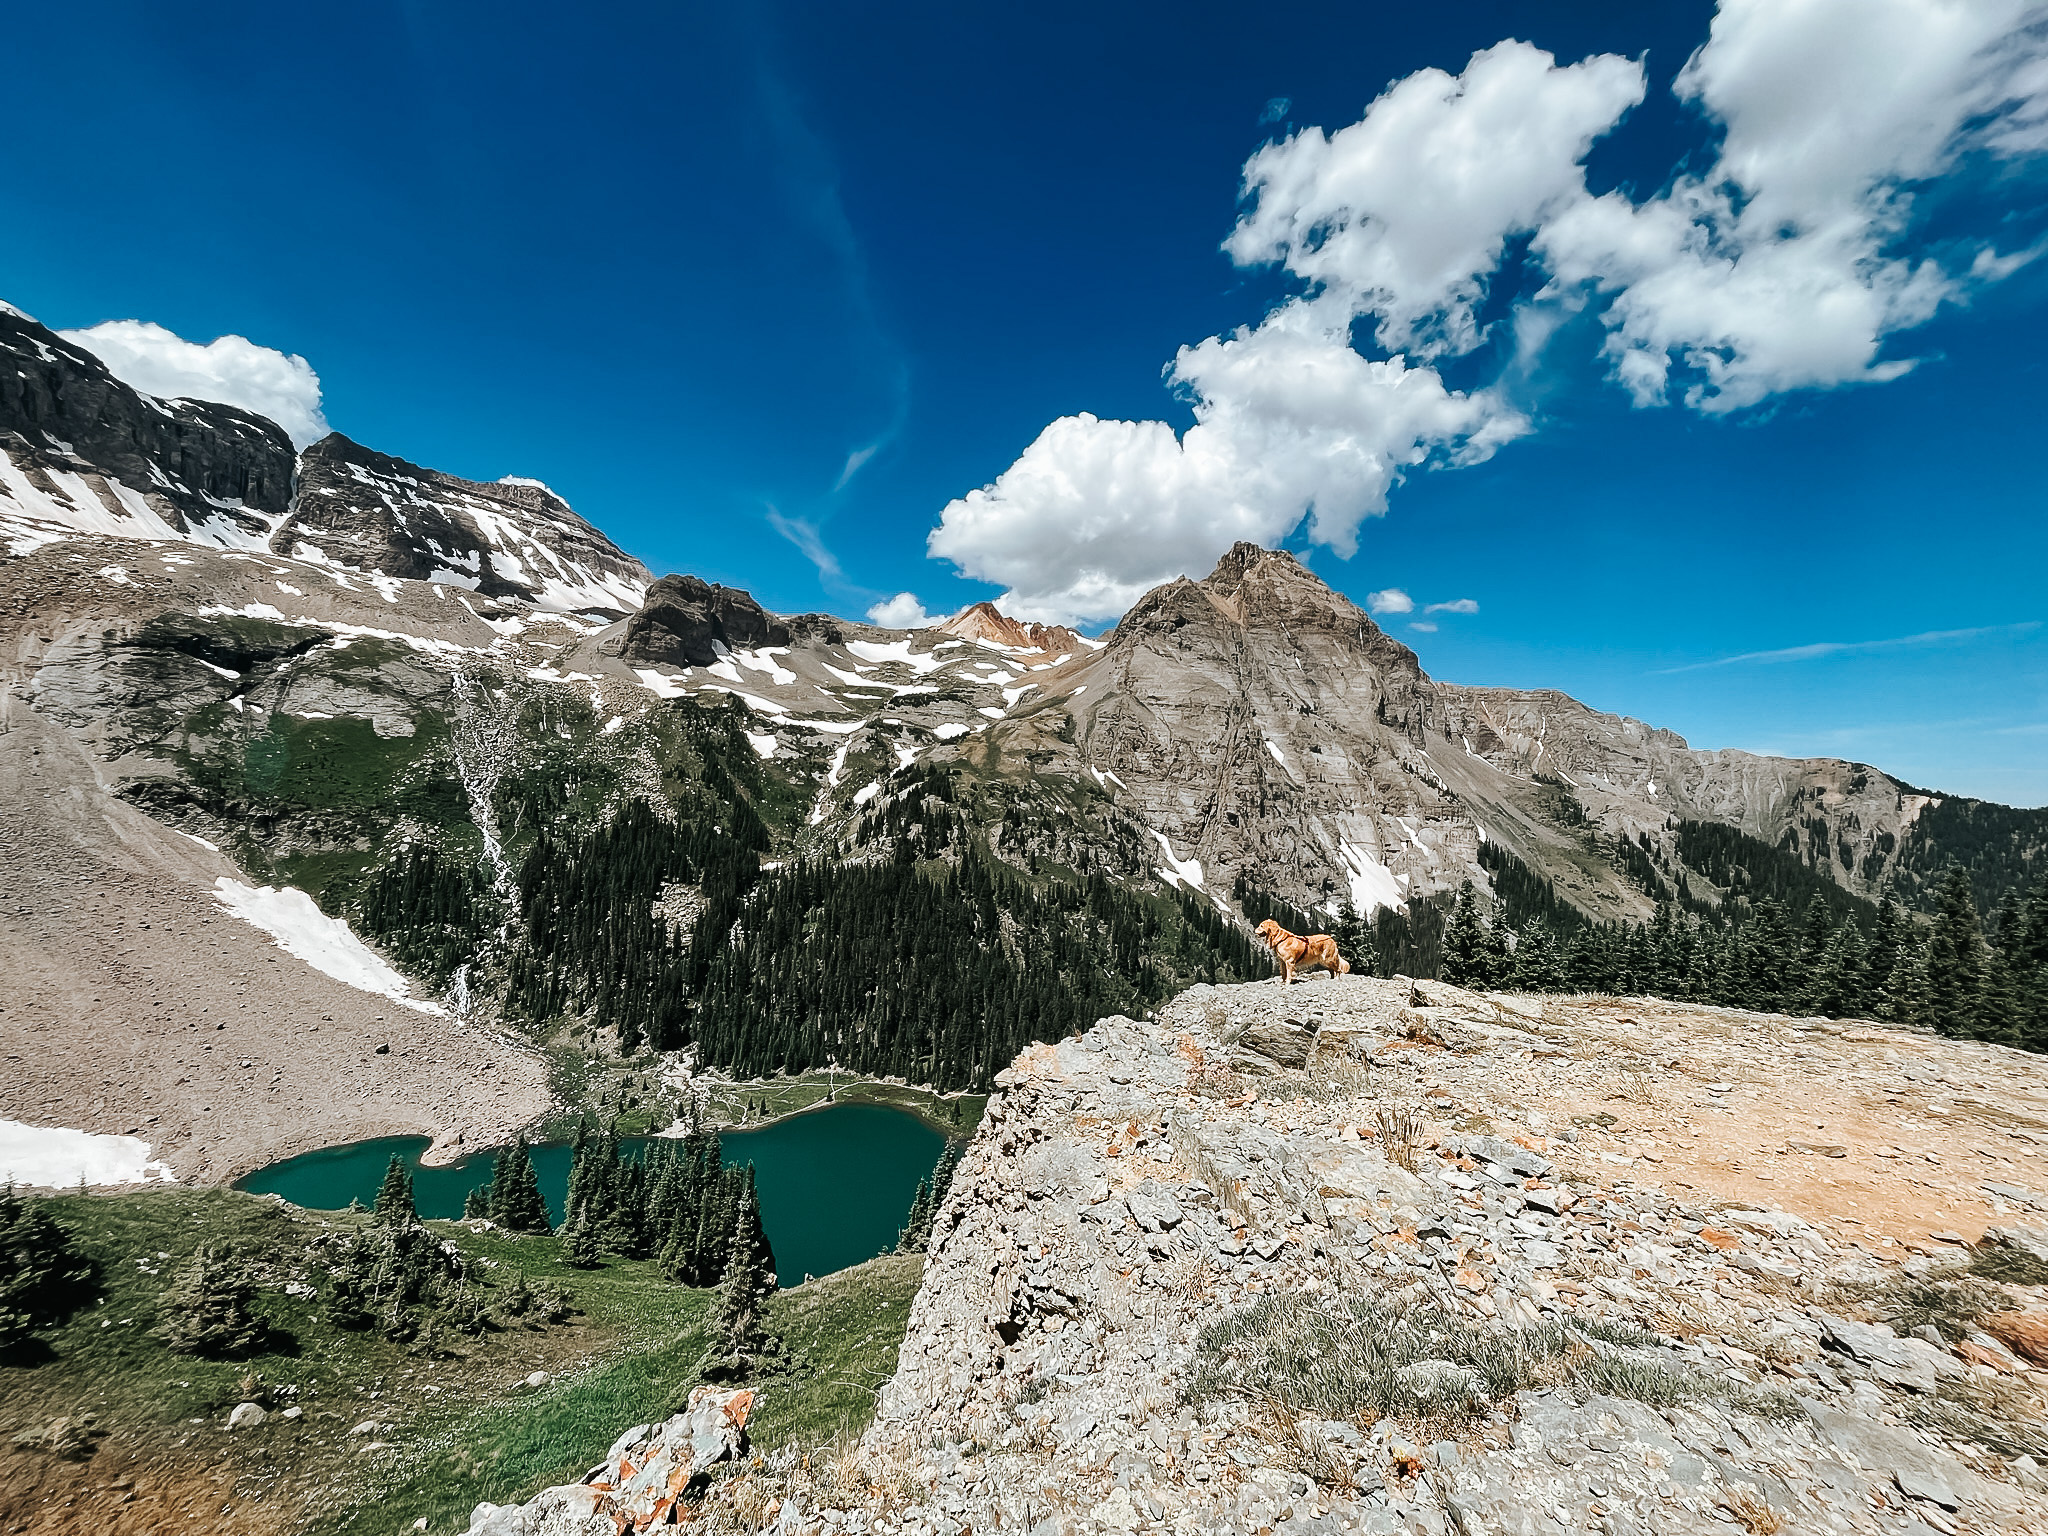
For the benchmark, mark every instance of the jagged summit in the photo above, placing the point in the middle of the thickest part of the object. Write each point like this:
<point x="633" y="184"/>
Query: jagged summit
<point x="506" y="538"/>
<point x="983" y="621"/>
<point x="83" y="453"/>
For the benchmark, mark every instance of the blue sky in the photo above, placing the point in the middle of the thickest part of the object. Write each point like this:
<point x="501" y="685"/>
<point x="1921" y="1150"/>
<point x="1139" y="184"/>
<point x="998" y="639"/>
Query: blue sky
<point x="766" y="292"/>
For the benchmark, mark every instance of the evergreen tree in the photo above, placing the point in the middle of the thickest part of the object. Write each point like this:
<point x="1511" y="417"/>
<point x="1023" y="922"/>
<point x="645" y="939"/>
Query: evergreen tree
<point x="1464" y="942"/>
<point x="516" y="1202"/>
<point x="1881" y="958"/>
<point x="43" y="1279"/>
<point x="1955" y="959"/>
<point x="1538" y="964"/>
<point x="476" y="1205"/>
<point x="579" y="1240"/>
<point x="210" y="1309"/>
<point x="917" y="1225"/>
<point x="735" y="1325"/>
<point x="394" y="1197"/>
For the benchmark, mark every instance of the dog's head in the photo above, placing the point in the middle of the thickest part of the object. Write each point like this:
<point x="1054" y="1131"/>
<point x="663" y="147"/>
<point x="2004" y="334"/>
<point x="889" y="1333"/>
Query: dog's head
<point x="1271" y="931"/>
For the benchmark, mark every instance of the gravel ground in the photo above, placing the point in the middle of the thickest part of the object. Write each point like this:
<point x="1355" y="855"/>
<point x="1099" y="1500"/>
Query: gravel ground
<point x="129" y="1002"/>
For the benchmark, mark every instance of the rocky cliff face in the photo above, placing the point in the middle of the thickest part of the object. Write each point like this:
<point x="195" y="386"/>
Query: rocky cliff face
<point x="1257" y="722"/>
<point x="82" y="452"/>
<point x="512" y="538"/>
<point x="983" y="621"/>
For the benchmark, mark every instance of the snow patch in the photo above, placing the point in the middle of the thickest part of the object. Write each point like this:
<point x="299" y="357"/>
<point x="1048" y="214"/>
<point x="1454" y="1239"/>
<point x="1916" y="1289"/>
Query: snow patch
<point x="326" y="943"/>
<point x="1273" y="747"/>
<point x="866" y="793"/>
<point x="1184" y="871"/>
<point x="763" y="660"/>
<point x="949" y="730"/>
<point x="659" y="684"/>
<point x="897" y="651"/>
<point x="54" y="1157"/>
<point x="764" y="745"/>
<point x="905" y="756"/>
<point x="1373" y="885"/>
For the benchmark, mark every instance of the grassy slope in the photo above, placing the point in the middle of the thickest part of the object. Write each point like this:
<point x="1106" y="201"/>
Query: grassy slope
<point x="451" y="1432"/>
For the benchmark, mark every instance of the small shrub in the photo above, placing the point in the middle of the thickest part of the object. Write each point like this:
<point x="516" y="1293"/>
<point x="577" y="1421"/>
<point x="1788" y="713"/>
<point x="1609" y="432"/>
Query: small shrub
<point x="1400" y="1135"/>
<point x="1373" y="1357"/>
<point x="210" y="1310"/>
<point x="2008" y="1266"/>
<point x="1954" y="1309"/>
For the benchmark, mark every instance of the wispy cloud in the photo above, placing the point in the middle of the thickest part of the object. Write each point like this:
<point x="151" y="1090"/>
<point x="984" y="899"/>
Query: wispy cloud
<point x="809" y="543"/>
<point x="854" y="461"/>
<point x="1823" y="648"/>
<point x="1423" y="626"/>
<point x="1456" y="605"/>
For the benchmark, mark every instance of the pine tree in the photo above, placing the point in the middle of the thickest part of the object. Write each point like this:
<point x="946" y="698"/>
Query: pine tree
<point x="394" y="1196"/>
<point x="517" y="1204"/>
<point x="1464" y="941"/>
<point x="735" y="1323"/>
<point x="210" y="1309"/>
<point x="917" y="1225"/>
<point x="476" y="1205"/>
<point x="579" y="1240"/>
<point x="1955" y="958"/>
<point x="43" y="1279"/>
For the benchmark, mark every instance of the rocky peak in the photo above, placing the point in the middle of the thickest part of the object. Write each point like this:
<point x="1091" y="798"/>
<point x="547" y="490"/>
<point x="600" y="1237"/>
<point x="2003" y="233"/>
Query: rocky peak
<point x="82" y="452"/>
<point x="368" y="510"/>
<point x="689" y="622"/>
<point x="984" y="621"/>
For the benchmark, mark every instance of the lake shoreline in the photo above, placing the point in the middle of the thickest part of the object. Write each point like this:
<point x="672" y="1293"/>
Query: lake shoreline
<point x="836" y="1178"/>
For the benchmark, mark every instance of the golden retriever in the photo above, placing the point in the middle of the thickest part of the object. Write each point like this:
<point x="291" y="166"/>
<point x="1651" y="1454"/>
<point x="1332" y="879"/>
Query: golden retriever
<point x="1318" y="951"/>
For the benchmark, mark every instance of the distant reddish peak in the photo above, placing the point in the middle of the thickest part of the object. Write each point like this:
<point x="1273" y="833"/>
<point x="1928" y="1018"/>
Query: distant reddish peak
<point x="984" y="622"/>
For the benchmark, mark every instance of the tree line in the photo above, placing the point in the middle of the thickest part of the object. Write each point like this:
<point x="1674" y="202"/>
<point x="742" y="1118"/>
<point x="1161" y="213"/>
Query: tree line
<point x="1956" y="975"/>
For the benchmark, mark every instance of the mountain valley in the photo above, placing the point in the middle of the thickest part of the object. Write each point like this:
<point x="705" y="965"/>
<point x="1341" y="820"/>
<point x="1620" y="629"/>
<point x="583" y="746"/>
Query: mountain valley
<point x="349" y="800"/>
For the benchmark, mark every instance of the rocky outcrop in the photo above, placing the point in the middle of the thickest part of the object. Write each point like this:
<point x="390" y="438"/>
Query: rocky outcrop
<point x="1179" y="1286"/>
<point x="81" y="452"/>
<point x="643" y="1480"/>
<point x="510" y="538"/>
<point x="688" y="622"/>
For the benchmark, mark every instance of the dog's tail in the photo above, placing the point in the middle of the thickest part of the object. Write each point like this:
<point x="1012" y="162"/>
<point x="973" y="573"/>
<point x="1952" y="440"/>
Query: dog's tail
<point x="1343" y="966"/>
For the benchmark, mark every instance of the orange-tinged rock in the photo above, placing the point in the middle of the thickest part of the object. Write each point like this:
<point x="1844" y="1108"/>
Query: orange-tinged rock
<point x="1469" y="1279"/>
<point x="1997" y="1359"/>
<point x="2024" y="1333"/>
<point x="1717" y="1239"/>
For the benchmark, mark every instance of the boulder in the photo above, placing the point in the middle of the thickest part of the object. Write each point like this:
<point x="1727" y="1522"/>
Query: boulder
<point x="643" y="1478"/>
<point x="685" y="622"/>
<point x="246" y="1416"/>
<point x="1153" y="1208"/>
<point x="2031" y="1241"/>
<point x="1285" y="1041"/>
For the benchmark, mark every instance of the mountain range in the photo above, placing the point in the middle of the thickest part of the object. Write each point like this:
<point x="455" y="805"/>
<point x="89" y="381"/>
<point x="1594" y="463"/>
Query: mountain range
<point x="326" y="664"/>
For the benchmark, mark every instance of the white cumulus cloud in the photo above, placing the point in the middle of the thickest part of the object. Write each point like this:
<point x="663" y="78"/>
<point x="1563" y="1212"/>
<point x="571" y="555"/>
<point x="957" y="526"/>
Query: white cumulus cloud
<point x="1289" y="420"/>
<point x="1392" y="600"/>
<point x="1781" y="266"/>
<point x="903" y="611"/>
<point x="230" y="370"/>
<point x="1405" y="213"/>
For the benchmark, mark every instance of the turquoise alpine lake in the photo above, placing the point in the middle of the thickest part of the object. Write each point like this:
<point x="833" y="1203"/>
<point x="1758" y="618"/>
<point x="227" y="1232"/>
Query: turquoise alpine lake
<point x="835" y="1184"/>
